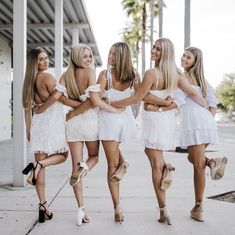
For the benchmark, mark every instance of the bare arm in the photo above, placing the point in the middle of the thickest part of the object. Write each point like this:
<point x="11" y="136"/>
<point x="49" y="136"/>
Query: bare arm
<point x="28" y="119"/>
<point x="80" y="109"/>
<point x="69" y="102"/>
<point x="184" y="85"/>
<point x="152" y="99"/>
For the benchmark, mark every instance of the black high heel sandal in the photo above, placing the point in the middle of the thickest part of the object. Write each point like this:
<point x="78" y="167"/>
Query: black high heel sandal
<point x="28" y="168"/>
<point x="43" y="214"/>
<point x="31" y="179"/>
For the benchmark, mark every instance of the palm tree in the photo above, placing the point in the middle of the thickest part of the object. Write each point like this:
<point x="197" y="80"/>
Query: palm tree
<point x="137" y="10"/>
<point x="187" y="23"/>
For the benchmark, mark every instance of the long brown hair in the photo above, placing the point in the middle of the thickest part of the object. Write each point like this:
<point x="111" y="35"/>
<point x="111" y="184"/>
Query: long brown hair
<point x="30" y="77"/>
<point x="123" y="69"/>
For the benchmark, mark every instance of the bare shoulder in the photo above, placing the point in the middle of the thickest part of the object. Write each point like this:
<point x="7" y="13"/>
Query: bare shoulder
<point x="102" y="75"/>
<point x="46" y="77"/>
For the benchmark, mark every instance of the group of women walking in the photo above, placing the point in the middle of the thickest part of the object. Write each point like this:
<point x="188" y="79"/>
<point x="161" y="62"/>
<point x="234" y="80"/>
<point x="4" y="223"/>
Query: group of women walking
<point x="100" y="111"/>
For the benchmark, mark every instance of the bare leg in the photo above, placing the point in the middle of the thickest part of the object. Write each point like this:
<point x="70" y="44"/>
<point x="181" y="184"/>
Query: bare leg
<point x="197" y="154"/>
<point x="93" y="153"/>
<point x="157" y="163"/>
<point x="111" y="149"/>
<point x="76" y="150"/>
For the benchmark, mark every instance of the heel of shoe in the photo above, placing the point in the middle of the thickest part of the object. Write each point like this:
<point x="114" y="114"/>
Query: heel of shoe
<point x="41" y="216"/>
<point x="120" y="172"/>
<point x="28" y="168"/>
<point x="166" y="216"/>
<point x="197" y="212"/>
<point x="81" y="216"/>
<point x="167" y="180"/>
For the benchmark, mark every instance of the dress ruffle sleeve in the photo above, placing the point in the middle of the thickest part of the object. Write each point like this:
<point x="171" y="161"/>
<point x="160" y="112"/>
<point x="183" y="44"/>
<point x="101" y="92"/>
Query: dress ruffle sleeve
<point x="61" y="88"/>
<point x="91" y="88"/>
<point x="211" y="98"/>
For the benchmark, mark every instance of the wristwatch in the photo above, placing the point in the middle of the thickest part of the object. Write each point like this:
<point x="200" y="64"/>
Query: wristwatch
<point x="160" y="110"/>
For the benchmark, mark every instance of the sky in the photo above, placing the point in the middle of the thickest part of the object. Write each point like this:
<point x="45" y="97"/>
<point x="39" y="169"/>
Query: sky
<point x="212" y="30"/>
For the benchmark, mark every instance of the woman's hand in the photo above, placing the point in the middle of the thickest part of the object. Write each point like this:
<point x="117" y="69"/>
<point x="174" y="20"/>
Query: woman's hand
<point x="70" y="115"/>
<point x="28" y="134"/>
<point x="38" y="108"/>
<point x="150" y="107"/>
<point x="169" y="99"/>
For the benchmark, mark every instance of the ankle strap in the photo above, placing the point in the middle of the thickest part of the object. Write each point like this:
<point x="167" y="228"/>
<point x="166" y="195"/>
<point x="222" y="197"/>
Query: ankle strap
<point x="162" y="208"/>
<point x="42" y="204"/>
<point x="83" y="165"/>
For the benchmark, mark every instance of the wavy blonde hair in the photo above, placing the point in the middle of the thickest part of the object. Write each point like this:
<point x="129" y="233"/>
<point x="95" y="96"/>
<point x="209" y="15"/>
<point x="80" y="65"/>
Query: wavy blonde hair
<point x="30" y="77"/>
<point x="196" y="70"/>
<point x="167" y="64"/>
<point x="123" y="69"/>
<point x="75" y="61"/>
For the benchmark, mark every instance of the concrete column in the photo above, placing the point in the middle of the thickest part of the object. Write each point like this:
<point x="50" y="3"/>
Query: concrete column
<point x="19" y="62"/>
<point x="75" y="39"/>
<point x="58" y="38"/>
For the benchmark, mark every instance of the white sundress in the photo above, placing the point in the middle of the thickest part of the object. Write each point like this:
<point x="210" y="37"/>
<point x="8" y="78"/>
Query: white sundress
<point x="158" y="129"/>
<point x="47" y="134"/>
<point x="84" y="127"/>
<point x="120" y="127"/>
<point x="197" y="125"/>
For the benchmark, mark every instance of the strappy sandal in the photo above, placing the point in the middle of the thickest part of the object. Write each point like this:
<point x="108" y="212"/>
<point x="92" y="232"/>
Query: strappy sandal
<point x="120" y="172"/>
<point x="118" y="216"/>
<point x="167" y="180"/>
<point x="197" y="212"/>
<point x="166" y="216"/>
<point x="82" y="216"/>
<point x="32" y="178"/>
<point x="43" y="213"/>
<point x="82" y="168"/>
<point x="217" y="169"/>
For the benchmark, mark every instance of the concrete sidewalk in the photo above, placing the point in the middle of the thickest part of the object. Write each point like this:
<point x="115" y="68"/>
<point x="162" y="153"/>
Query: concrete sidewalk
<point x="19" y="211"/>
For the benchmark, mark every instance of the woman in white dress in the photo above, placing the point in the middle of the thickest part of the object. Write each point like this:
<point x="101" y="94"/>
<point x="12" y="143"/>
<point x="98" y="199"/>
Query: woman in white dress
<point x="197" y="126"/>
<point x="45" y="131"/>
<point x="117" y="83"/>
<point x="80" y="82"/>
<point x="158" y="128"/>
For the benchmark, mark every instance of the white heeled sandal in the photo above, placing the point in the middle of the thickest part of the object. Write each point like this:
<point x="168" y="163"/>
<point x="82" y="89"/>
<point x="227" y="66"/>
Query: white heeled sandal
<point x="81" y="216"/>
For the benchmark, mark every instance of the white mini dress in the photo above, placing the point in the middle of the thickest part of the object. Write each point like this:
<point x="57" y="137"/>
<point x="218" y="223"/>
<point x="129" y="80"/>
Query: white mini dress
<point x="84" y="127"/>
<point x="120" y="127"/>
<point x="47" y="133"/>
<point x="158" y="129"/>
<point x="197" y="125"/>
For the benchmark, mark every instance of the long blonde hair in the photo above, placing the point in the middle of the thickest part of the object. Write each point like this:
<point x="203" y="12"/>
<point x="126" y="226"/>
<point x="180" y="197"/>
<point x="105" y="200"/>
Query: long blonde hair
<point x="30" y="77"/>
<point x="123" y="69"/>
<point x="167" y="64"/>
<point x="196" y="70"/>
<point x="75" y="61"/>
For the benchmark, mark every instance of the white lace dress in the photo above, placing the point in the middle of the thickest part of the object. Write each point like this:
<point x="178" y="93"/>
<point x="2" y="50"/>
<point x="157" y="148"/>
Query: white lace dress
<point x="47" y="134"/>
<point x="84" y="127"/>
<point x="158" y="129"/>
<point x="197" y="125"/>
<point x="120" y="127"/>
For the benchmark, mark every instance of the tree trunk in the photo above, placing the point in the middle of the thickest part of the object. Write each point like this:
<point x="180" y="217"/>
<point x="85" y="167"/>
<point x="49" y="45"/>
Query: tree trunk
<point x="160" y="13"/>
<point x="187" y="24"/>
